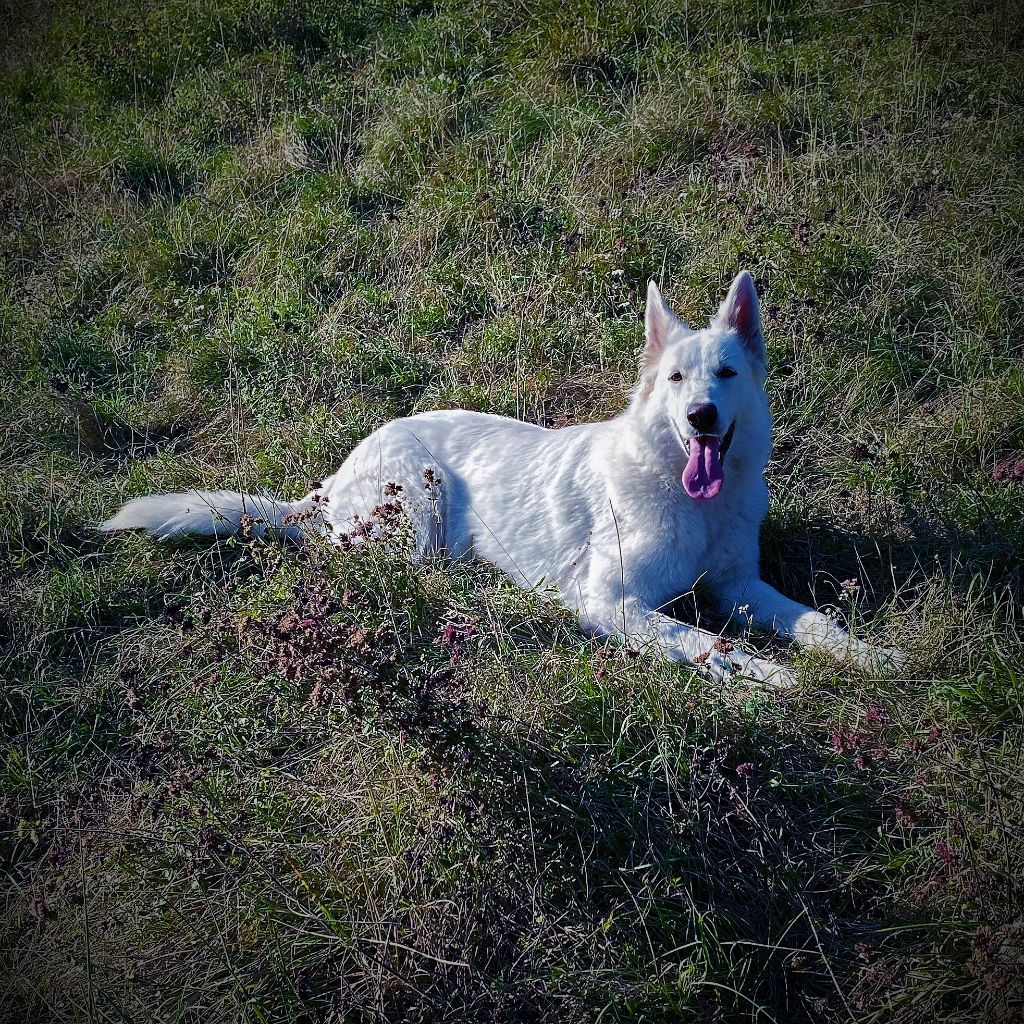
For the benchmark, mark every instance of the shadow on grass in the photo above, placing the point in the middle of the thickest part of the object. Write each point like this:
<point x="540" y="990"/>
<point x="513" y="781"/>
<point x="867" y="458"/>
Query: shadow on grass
<point x="799" y="557"/>
<point x="150" y="178"/>
<point x="631" y="844"/>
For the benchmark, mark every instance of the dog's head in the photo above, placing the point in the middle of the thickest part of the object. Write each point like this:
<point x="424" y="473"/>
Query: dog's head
<point x="705" y="383"/>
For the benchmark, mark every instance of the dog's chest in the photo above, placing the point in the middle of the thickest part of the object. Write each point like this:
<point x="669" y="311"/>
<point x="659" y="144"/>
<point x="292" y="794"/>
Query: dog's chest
<point x="686" y="542"/>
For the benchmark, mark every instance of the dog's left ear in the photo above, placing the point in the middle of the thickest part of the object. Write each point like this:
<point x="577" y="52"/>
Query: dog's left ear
<point x="741" y="312"/>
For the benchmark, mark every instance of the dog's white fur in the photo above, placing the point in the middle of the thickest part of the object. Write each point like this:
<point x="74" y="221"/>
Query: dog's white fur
<point x="596" y="511"/>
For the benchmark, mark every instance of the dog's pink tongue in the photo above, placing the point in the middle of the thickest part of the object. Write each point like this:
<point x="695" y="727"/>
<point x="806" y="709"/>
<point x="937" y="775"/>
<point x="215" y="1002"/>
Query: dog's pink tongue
<point x="703" y="476"/>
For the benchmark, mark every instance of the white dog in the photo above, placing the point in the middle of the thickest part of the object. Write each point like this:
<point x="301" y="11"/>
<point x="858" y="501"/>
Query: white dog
<point x="621" y="517"/>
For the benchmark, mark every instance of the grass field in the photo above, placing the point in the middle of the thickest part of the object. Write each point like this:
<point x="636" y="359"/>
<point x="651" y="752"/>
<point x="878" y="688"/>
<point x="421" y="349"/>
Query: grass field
<point x="243" y="783"/>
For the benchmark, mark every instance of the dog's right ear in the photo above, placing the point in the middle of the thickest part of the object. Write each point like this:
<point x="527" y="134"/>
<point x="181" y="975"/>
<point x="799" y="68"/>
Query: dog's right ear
<point x="659" y="322"/>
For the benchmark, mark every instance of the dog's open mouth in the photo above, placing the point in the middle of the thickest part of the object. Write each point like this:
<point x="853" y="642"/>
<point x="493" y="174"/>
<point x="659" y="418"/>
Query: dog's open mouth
<point x="703" y="475"/>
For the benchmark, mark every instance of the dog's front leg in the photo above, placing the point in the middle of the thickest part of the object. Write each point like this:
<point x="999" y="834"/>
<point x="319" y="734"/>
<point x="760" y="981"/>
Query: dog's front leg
<point x="679" y="641"/>
<point x="767" y="609"/>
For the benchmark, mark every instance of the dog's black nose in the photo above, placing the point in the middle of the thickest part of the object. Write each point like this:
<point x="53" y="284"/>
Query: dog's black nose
<point x="702" y="416"/>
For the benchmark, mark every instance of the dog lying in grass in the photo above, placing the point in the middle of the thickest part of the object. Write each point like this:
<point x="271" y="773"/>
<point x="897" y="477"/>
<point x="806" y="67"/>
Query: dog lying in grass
<point x="621" y="516"/>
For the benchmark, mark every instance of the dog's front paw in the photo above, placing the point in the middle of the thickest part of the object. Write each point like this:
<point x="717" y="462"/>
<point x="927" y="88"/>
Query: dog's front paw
<point x="761" y="671"/>
<point x="768" y="673"/>
<point x="884" y="662"/>
<point x="726" y="663"/>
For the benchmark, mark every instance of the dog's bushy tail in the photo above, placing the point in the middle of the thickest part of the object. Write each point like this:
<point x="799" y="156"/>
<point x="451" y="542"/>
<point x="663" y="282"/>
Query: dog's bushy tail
<point x="210" y="514"/>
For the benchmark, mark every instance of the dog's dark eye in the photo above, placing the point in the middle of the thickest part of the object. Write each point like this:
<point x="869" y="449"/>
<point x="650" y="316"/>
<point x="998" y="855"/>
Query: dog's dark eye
<point x="676" y="376"/>
<point x="726" y="371"/>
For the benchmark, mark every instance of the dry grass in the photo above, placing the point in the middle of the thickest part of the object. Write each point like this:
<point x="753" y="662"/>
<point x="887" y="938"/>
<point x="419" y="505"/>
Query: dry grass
<point x="245" y="783"/>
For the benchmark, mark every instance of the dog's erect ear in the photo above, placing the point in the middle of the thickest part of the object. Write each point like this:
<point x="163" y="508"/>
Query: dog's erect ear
<point x="659" y="322"/>
<point x="741" y="312"/>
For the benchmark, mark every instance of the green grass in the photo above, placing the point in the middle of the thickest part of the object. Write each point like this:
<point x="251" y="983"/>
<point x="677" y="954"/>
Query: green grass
<point x="252" y="784"/>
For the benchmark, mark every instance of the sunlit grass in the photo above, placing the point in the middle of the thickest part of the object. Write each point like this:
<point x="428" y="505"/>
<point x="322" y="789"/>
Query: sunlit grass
<point x="247" y="783"/>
